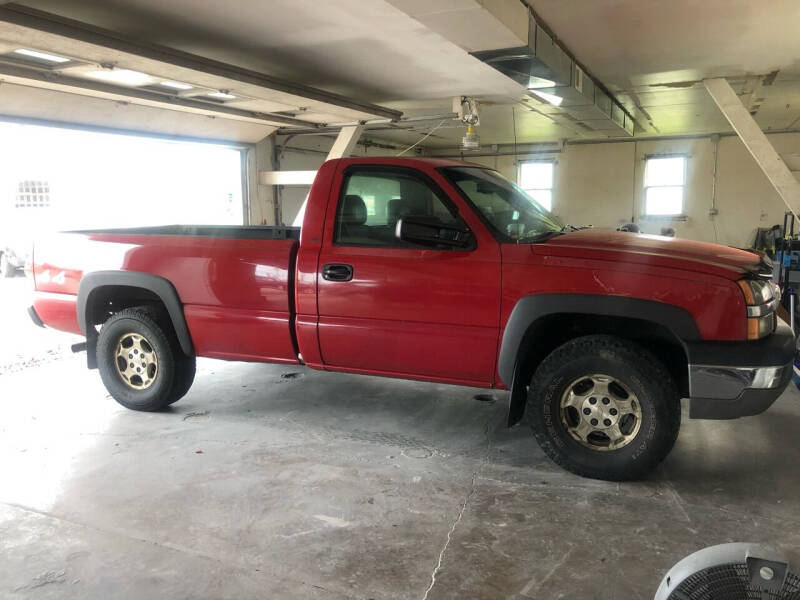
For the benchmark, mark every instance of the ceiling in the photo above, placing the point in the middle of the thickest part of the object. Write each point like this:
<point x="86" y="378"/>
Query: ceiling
<point x="654" y="54"/>
<point x="366" y="49"/>
<point x="413" y="56"/>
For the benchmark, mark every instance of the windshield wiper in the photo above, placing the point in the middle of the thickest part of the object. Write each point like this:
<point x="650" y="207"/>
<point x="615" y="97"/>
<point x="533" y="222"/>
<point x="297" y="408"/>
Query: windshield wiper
<point x="540" y="236"/>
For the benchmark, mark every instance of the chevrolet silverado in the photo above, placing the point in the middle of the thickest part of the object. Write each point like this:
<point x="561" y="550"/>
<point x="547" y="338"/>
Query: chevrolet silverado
<point x="440" y="271"/>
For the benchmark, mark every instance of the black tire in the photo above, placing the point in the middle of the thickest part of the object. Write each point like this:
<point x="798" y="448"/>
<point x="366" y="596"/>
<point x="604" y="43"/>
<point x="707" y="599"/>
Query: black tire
<point x="6" y="268"/>
<point x="184" y="377"/>
<point x="574" y="364"/>
<point x="138" y="321"/>
<point x="185" y="366"/>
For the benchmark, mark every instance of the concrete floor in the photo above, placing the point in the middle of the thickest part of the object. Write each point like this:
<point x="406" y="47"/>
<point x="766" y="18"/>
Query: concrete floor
<point x="337" y="486"/>
<point x="21" y="344"/>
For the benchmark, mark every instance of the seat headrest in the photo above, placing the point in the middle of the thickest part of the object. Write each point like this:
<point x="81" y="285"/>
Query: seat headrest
<point x="396" y="209"/>
<point x="354" y="211"/>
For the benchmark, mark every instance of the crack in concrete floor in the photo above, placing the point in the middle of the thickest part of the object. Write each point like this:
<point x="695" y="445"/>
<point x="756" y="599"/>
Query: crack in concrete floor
<point x="464" y="504"/>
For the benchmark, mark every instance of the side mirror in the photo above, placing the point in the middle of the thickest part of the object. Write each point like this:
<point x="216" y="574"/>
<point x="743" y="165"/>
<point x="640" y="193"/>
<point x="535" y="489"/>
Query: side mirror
<point x="429" y="231"/>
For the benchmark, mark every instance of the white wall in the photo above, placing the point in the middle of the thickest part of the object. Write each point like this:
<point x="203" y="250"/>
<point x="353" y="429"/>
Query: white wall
<point x="602" y="184"/>
<point x="261" y="198"/>
<point x="307" y="153"/>
<point x="309" y="159"/>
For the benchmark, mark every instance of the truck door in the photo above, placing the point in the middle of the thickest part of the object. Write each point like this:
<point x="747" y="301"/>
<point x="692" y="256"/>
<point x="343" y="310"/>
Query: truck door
<point x="392" y="307"/>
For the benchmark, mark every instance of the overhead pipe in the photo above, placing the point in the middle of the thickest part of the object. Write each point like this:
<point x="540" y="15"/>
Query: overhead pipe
<point x="369" y="124"/>
<point x="467" y="155"/>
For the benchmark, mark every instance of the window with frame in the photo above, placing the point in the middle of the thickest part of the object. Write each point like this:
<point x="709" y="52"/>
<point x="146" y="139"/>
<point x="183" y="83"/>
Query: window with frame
<point x="664" y="185"/>
<point x="536" y="180"/>
<point x="33" y="194"/>
<point x="373" y="201"/>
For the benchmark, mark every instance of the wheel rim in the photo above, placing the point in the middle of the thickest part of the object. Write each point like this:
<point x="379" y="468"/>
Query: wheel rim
<point x="600" y="412"/>
<point x="136" y="361"/>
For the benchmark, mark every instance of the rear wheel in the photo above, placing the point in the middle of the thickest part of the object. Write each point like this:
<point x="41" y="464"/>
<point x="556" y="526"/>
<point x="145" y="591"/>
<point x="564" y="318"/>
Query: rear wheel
<point x="604" y="408"/>
<point x="184" y="377"/>
<point x="141" y="367"/>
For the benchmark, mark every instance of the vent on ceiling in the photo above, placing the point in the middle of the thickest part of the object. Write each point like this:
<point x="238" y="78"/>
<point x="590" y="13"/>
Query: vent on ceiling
<point x="551" y="75"/>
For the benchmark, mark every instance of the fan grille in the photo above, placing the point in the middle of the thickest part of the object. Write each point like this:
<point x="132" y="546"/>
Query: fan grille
<point x="732" y="582"/>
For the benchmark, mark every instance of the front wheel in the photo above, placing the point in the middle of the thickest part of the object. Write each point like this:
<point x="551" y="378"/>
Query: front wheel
<point x="140" y="367"/>
<point x="604" y="407"/>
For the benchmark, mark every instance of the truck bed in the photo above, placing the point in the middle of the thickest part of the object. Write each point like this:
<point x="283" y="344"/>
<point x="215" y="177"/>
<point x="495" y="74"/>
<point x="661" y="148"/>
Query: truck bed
<point x="250" y="232"/>
<point x="236" y="284"/>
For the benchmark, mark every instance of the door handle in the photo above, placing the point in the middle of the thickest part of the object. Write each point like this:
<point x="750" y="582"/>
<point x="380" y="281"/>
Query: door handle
<point x="337" y="272"/>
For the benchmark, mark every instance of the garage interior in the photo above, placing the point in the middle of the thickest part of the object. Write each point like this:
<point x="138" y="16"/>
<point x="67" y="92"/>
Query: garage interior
<point x="276" y="481"/>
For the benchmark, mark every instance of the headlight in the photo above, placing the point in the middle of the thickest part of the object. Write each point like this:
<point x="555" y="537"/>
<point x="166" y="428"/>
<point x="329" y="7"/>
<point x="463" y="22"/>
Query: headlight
<point x="762" y="299"/>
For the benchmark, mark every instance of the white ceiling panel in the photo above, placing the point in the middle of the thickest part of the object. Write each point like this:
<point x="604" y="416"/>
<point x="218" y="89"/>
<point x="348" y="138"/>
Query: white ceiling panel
<point x="651" y="54"/>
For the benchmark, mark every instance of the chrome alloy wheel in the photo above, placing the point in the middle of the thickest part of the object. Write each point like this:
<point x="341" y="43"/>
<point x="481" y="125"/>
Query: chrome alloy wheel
<point x="136" y="361"/>
<point x="600" y="412"/>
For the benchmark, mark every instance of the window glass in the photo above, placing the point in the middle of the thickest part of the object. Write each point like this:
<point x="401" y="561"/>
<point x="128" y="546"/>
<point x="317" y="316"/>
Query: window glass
<point x="33" y="194"/>
<point x="664" y="171"/>
<point x="373" y="201"/>
<point x="504" y="205"/>
<point x="664" y="201"/>
<point x="60" y="179"/>
<point x="664" y="180"/>
<point x="536" y="178"/>
<point x="543" y="197"/>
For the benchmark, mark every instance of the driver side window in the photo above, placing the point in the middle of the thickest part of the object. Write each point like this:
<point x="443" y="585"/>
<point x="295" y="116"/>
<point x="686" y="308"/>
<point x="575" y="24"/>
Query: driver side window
<point x="372" y="202"/>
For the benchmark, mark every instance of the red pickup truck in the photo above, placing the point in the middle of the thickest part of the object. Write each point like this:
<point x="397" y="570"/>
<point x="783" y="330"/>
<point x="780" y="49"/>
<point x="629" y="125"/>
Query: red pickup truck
<point x="439" y="271"/>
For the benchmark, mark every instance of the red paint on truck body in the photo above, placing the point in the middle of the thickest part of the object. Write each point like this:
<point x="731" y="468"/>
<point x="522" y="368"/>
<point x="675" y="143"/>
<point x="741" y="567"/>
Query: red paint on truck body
<point x="415" y="313"/>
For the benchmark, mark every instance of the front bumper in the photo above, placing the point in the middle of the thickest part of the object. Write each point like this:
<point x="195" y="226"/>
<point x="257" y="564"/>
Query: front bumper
<point x="728" y="380"/>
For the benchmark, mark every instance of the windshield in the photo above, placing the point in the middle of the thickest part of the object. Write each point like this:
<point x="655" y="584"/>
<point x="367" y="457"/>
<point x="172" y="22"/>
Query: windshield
<point x="508" y="209"/>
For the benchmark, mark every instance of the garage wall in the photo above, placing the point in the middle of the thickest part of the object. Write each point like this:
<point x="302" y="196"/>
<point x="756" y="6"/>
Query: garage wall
<point x="307" y="154"/>
<point x="261" y="199"/>
<point x="602" y="184"/>
<point x="300" y="154"/>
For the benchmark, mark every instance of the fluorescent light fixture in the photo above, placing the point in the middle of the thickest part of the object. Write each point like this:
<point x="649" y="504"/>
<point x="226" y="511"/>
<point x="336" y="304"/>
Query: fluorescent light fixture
<point x="42" y="55"/>
<point x="121" y="76"/>
<point x="222" y="95"/>
<point x="176" y="85"/>
<point x="539" y="82"/>
<point x="551" y="98"/>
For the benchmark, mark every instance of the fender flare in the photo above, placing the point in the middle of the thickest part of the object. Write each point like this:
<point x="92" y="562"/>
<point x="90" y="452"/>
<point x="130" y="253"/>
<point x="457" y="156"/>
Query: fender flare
<point x="530" y="309"/>
<point x="159" y="286"/>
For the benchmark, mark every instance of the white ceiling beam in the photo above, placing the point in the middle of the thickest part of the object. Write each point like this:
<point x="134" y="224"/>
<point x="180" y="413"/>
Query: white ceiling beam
<point x="345" y="142"/>
<point x="756" y="142"/>
<point x="286" y="177"/>
<point x="342" y="147"/>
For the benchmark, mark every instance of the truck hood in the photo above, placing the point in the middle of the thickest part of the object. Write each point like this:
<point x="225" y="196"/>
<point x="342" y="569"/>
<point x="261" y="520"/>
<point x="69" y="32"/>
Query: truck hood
<point x="656" y="250"/>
